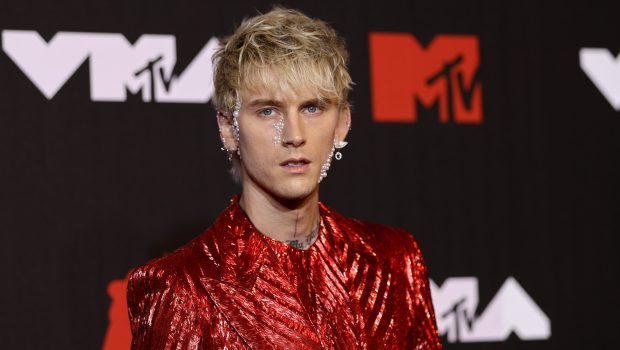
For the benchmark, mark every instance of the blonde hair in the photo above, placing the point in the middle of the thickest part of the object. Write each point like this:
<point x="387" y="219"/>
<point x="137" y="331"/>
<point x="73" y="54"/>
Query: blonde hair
<point x="301" y="51"/>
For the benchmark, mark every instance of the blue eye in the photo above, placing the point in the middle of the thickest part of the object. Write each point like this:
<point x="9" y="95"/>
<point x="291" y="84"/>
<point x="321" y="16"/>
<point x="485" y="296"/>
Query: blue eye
<point x="312" y="109"/>
<point x="267" y="112"/>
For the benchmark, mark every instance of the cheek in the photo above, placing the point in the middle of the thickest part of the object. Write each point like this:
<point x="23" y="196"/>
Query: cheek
<point x="259" y="132"/>
<point x="323" y="137"/>
<point x="256" y="142"/>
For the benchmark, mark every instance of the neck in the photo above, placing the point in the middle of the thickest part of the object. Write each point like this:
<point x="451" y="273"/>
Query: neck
<point x="294" y="222"/>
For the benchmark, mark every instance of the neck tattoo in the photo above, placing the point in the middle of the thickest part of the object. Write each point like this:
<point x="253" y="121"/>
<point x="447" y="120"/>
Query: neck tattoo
<point x="305" y="242"/>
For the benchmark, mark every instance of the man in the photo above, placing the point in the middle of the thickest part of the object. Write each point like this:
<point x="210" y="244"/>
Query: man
<point x="278" y="269"/>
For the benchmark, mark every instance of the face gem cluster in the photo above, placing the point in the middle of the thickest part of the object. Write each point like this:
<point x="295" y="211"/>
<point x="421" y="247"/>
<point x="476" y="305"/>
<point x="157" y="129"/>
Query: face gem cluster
<point x="279" y="126"/>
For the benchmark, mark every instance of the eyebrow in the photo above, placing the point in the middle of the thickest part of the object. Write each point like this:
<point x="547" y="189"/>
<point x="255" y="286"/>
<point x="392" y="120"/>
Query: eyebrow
<point x="265" y="102"/>
<point x="270" y="102"/>
<point x="315" y="101"/>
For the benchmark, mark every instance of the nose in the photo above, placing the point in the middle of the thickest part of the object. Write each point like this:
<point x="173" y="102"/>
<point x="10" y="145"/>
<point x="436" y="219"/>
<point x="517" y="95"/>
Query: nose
<point x="293" y="131"/>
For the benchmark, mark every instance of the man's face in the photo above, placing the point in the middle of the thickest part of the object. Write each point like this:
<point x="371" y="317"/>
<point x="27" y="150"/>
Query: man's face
<point x="284" y="140"/>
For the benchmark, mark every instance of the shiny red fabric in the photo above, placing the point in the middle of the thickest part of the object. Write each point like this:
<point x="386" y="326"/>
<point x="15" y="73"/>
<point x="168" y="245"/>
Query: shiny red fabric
<point x="359" y="286"/>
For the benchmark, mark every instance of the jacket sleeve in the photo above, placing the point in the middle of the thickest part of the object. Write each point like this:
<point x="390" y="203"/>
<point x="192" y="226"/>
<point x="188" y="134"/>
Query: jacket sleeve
<point x="161" y="311"/>
<point x="423" y="334"/>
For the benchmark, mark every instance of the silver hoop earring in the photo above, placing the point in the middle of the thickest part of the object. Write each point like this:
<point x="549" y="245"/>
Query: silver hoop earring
<point x="339" y="145"/>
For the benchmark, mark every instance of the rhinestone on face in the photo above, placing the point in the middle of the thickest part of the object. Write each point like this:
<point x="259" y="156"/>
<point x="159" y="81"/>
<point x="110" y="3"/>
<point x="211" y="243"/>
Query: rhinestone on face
<point x="279" y="126"/>
<point x="326" y="165"/>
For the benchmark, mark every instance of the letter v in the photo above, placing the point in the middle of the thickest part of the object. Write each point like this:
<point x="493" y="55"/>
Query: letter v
<point x="47" y="65"/>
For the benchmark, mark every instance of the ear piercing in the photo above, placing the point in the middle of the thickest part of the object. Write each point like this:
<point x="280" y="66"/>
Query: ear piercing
<point x="328" y="162"/>
<point x="339" y="145"/>
<point x="235" y="125"/>
<point x="235" y="129"/>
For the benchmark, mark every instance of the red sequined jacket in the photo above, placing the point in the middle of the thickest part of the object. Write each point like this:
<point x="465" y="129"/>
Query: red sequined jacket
<point x="359" y="286"/>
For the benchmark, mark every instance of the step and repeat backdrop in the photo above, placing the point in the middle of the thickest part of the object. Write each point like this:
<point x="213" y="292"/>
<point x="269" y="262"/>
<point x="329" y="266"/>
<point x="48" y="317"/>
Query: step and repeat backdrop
<point x="490" y="130"/>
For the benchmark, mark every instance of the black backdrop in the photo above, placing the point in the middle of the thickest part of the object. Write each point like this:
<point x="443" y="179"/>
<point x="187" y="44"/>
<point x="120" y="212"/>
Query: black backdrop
<point x="90" y="189"/>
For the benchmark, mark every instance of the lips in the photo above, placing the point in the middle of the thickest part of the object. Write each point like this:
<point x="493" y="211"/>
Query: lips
<point x="295" y="162"/>
<point x="296" y="165"/>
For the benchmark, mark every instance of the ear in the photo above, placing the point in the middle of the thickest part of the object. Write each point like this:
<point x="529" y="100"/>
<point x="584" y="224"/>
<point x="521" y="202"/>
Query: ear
<point x="344" y="123"/>
<point x="226" y="131"/>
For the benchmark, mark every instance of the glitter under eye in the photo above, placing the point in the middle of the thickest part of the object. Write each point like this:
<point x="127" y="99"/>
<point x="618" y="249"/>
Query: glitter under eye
<point x="279" y="126"/>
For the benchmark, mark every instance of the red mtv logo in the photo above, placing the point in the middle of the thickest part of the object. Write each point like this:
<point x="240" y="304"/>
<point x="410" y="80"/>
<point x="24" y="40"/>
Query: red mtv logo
<point x="402" y="71"/>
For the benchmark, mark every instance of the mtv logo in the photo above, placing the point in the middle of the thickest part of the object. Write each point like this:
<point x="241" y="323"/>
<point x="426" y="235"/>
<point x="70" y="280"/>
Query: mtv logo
<point x="445" y="72"/>
<point x="116" y="65"/>
<point x="510" y="310"/>
<point x="604" y="71"/>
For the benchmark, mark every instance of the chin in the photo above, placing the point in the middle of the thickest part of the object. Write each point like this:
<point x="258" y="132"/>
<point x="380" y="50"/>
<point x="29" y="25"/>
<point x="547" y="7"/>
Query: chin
<point x="296" y="190"/>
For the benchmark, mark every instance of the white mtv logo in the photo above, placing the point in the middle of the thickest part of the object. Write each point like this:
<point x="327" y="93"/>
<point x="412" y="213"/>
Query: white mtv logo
<point x="511" y="310"/>
<point x="604" y="71"/>
<point x="116" y="66"/>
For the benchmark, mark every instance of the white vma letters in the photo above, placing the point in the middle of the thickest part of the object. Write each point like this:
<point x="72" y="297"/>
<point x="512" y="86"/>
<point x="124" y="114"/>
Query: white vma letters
<point x="510" y="310"/>
<point x="116" y="66"/>
<point x="604" y="71"/>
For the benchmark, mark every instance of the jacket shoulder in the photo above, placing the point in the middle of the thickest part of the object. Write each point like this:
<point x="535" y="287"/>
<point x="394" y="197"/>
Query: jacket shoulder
<point x="156" y="277"/>
<point x="198" y="258"/>
<point x="163" y="302"/>
<point x="382" y="240"/>
<point x="162" y="310"/>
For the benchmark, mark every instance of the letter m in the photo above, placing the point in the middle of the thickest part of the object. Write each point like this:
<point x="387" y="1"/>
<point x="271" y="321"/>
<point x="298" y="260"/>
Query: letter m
<point x="445" y="73"/>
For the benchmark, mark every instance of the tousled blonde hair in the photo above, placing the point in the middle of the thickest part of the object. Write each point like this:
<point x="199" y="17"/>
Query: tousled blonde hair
<point x="299" y="50"/>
